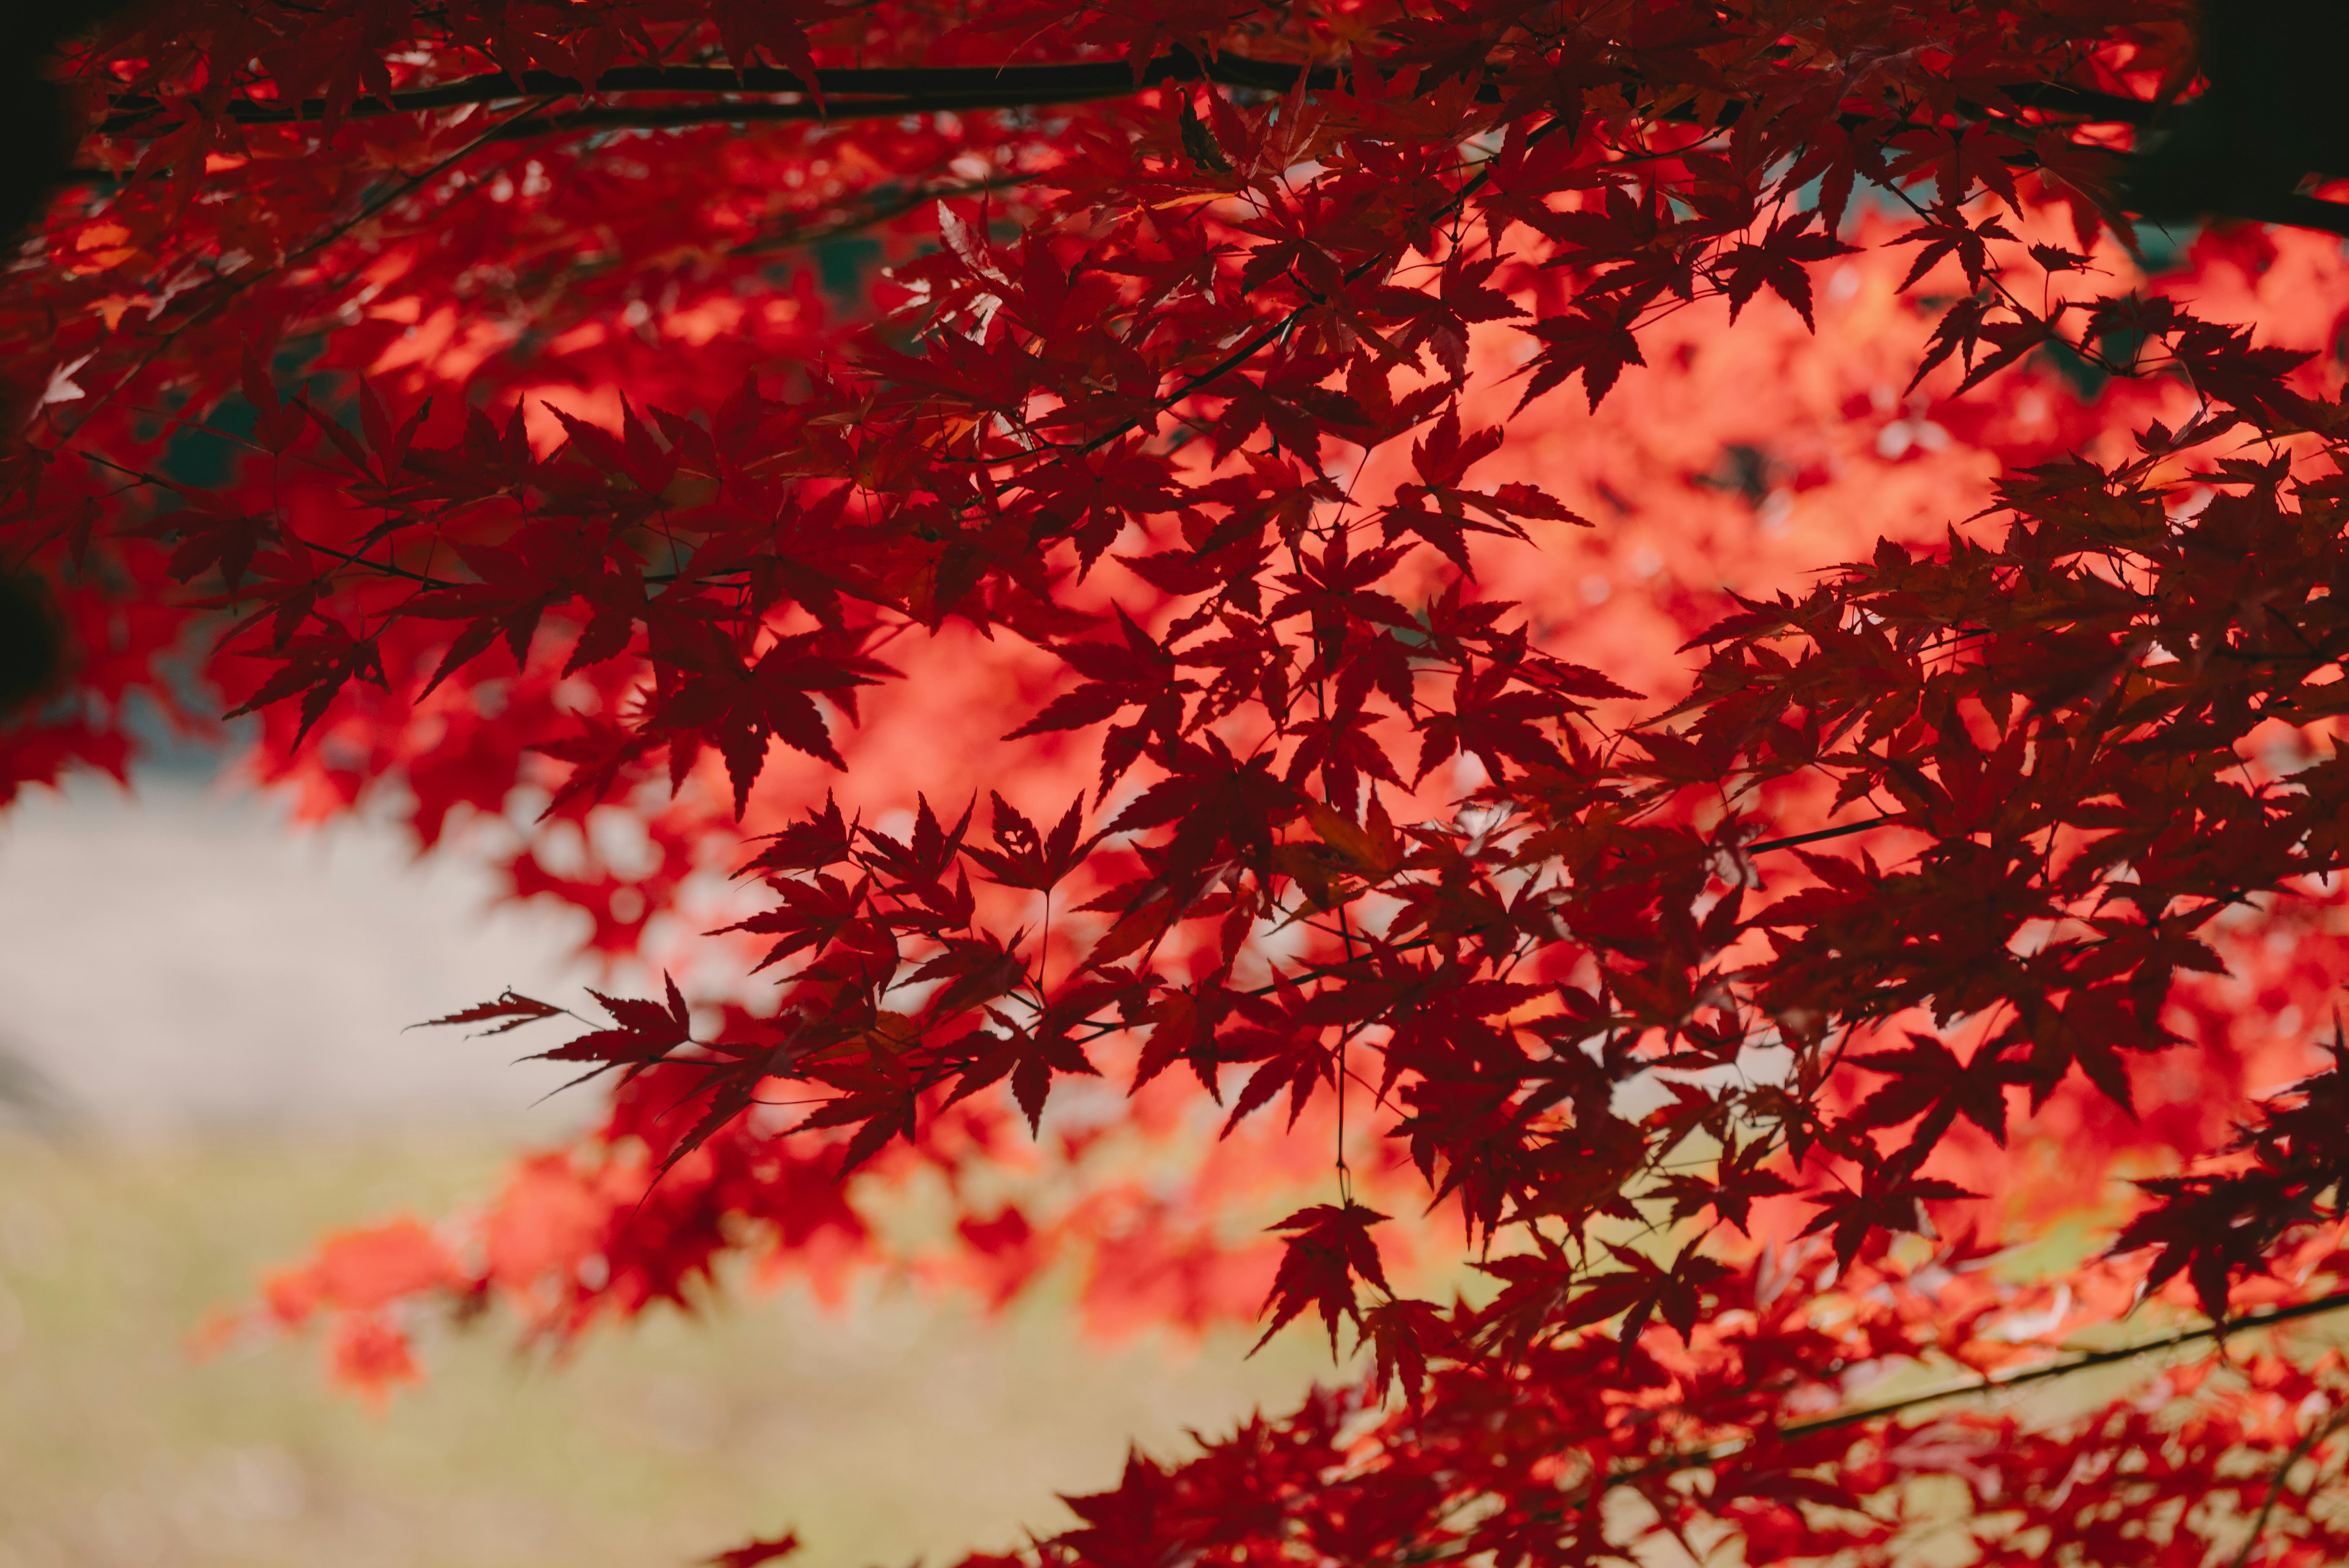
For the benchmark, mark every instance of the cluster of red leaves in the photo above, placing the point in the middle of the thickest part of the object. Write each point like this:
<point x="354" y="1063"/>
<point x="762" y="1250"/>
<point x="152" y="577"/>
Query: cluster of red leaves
<point x="1571" y="1447"/>
<point x="1181" y="433"/>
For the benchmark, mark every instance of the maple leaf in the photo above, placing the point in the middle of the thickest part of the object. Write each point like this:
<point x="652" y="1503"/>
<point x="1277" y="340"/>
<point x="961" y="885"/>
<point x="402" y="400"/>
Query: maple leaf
<point x="744" y="707"/>
<point x="1441" y="461"/>
<point x="1372" y="849"/>
<point x="277" y="423"/>
<point x="1025" y="858"/>
<point x="1885" y="1200"/>
<point x="826" y="839"/>
<point x="815" y="912"/>
<point x="636" y="456"/>
<point x="1139" y="674"/>
<point x="969" y="971"/>
<point x="1598" y="346"/>
<point x="600" y="756"/>
<point x="1328" y="1248"/>
<point x="922" y="858"/>
<point x="510" y="1011"/>
<point x="1929" y="1081"/>
<point x="377" y="453"/>
<point x="1217" y="802"/>
<point x="1341" y="747"/>
<point x="744" y="28"/>
<point x="1778" y="262"/>
<point x="1288" y="400"/>
<point x="1969" y="243"/>
<point x="643" y="1032"/>
<point x="1958" y="159"/>
<point x="1028" y="1057"/>
<point x="1440" y="321"/>
<point x="1289" y="1054"/>
<point x="1199" y="142"/>
<point x="753" y="1553"/>
<point x="508" y="602"/>
<point x="1645" y="1289"/>
<point x="1491" y="722"/>
<point x="317" y="666"/>
<point x="2220" y="1227"/>
<point x="1402" y="1332"/>
<point x="877" y="1097"/>
<point x="1335" y="588"/>
<point x="1738" y="1183"/>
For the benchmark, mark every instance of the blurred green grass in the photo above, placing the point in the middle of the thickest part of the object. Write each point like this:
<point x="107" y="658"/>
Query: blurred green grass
<point x="905" y="1427"/>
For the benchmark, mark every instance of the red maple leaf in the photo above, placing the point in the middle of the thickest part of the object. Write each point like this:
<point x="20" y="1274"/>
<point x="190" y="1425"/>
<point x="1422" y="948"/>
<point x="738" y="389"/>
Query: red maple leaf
<point x="1328" y="1248"/>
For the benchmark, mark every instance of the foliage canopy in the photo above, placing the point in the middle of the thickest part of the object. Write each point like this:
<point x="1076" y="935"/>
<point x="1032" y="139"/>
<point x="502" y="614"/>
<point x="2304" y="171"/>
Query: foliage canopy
<point x="1192" y="651"/>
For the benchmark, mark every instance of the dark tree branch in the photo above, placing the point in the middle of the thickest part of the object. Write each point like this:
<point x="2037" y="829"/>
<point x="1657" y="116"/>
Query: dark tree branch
<point x="848" y="92"/>
<point x="767" y="94"/>
<point x="2097" y="108"/>
<point x="1715" y="1453"/>
<point x="863" y="92"/>
<point x="1996" y="1381"/>
<point x="753" y="112"/>
<point x="2293" y="210"/>
<point x="1814" y="837"/>
<point x="1990" y="1383"/>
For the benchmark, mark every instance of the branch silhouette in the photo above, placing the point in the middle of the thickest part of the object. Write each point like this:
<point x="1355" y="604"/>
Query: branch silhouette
<point x="865" y="92"/>
<point x="846" y="92"/>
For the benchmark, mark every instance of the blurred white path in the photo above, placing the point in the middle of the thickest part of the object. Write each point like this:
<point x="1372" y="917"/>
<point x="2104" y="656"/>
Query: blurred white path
<point x="184" y="958"/>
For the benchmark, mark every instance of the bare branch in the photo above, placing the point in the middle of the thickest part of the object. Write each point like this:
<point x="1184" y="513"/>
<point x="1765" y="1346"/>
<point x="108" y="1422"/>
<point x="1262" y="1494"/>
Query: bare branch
<point x="846" y="93"/>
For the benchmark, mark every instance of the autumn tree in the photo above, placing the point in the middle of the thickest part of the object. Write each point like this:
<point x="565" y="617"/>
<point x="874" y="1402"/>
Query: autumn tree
<point x="1661" y="629"/>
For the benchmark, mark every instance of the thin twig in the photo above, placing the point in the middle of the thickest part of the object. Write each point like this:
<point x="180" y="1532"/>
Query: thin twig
<point x="2316" y="1435"/>
<point x="1849" y="827"/>
<point x="1996" y="1383"/>
<point x="1715" y="1453"/>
